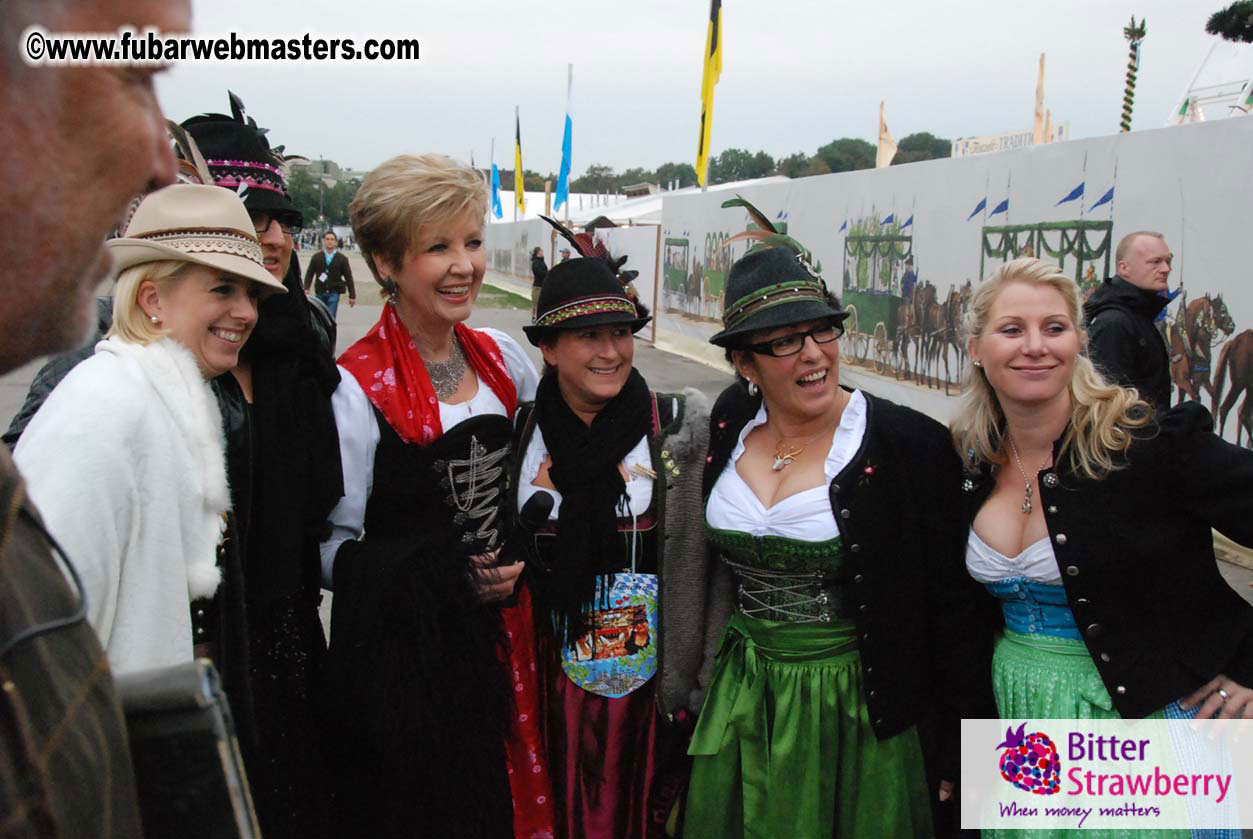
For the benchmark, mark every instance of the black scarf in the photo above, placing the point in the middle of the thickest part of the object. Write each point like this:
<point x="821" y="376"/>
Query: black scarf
<point x="585" y="471"/>
<point x="297" y="478"/>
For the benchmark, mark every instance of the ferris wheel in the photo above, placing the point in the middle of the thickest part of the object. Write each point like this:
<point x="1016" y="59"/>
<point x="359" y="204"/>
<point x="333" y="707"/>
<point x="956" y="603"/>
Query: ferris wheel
<point x="1222" y="86"/>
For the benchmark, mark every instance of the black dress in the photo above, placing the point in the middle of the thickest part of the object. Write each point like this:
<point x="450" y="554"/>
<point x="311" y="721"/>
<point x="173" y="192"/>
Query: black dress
<point x="421" y="701"/>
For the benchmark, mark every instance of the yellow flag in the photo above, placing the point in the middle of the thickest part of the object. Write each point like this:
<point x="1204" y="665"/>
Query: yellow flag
<point x="519" y="193"/>
<point x="713" y="69"/>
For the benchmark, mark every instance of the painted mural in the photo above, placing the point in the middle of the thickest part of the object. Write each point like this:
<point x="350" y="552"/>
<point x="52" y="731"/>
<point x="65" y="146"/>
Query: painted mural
<point x="905" y="247"/>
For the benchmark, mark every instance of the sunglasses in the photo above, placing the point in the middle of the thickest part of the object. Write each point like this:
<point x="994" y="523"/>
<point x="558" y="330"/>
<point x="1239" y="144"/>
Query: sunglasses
<point x="289" y="223"/>
<point x="791" y="344"/>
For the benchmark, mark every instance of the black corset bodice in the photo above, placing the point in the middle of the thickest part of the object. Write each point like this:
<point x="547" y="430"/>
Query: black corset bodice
<point x="457" y="482"/>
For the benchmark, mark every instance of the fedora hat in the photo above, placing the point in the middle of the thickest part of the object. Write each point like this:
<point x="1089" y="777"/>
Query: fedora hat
<point x="196" y="223"/>
<point x="580" y="293"/>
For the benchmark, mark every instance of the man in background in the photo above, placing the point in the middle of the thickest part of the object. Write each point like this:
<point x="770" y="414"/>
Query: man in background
<point x="1123" y="340"/>
<point x="333" y="275"/>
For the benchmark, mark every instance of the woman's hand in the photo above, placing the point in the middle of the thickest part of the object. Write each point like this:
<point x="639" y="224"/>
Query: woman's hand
<point x="494" y="582"/>
<point x="946" y="790"/>
<point x="1221" y="698"/>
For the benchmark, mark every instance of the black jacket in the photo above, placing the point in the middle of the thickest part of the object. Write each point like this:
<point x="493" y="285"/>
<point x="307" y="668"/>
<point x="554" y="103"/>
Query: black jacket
<point x="539" y="270"/>
<point x="1124" y="342"/>
<point x="925" y="661"/>
<point x="338" y="275"/>
<point x="1137" y="559"/>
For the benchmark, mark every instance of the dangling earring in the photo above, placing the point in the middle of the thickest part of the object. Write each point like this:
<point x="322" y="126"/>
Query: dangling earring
<point x="752" y="388"/>
<point x="389" y="285"/>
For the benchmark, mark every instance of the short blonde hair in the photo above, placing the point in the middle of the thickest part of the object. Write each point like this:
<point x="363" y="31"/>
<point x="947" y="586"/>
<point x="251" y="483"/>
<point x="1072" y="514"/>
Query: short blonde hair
<point x="129" y="321"/>
<point x="405" y="193"/>
<point x="1102" y="415"/>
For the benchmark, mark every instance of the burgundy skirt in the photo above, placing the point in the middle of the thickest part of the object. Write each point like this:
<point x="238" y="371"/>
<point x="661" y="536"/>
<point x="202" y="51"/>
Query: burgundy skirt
<point x="617" y="766"/>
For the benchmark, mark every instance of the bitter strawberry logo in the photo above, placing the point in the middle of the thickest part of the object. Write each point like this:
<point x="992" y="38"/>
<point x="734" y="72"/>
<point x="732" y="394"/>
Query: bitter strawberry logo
<point x="1030" y="762"/>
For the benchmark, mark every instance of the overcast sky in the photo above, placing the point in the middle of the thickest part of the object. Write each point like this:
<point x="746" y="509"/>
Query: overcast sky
<point x="797" y="73"/>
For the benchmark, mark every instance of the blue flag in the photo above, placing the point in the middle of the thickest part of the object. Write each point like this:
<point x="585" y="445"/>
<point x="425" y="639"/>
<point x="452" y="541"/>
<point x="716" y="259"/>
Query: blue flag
<point x="1105" y="199"/>
<point x="891" y="218"/>
<point x="496" y="209"/>
<point x="908" y="222"/>
<point x="843" y="226"/>
<point x="563" y="176"/>
<point x="979" y="208"/>
<point x="1077" y="192"/>
<point x="1002" y="207"/>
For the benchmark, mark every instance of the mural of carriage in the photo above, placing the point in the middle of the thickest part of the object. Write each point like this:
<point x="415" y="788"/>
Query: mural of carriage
<point x="1080" y="243"/>
<point x="872" y="261"/>
<point x="674" y="275"/>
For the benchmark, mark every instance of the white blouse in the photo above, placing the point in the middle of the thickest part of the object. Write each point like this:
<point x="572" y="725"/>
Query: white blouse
<point x="988" y="565"/>
<point x="639" y="490"/>
<point x="359" y="438"/>
<point x="805" y="516"/>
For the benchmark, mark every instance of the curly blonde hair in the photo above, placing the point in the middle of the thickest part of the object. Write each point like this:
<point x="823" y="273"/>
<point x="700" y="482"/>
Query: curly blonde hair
<point x="1102" y="415"/>
<point x="404" y="194"/>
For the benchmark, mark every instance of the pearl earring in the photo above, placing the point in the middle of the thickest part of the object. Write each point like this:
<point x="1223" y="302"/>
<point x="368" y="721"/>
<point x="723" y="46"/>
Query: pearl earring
<point x="154" y="319"/>
<point x="977" y="363"/>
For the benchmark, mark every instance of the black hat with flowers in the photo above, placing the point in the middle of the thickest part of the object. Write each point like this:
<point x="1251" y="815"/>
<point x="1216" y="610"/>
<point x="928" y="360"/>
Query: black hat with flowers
<point x="591" y="290"/>
<point x="239" y="157"/>
<point x="775" y="284"/>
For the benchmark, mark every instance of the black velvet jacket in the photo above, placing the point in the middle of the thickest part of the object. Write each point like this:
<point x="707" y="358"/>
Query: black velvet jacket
<point x="1136" y="553"/>
<point x="925" y="660"/>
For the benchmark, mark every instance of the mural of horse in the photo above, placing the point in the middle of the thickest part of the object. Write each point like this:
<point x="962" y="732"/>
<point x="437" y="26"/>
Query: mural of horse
<point x="950" y="332"/>
<point x="1235" y="362"/>
<point x="1190" y="339"/>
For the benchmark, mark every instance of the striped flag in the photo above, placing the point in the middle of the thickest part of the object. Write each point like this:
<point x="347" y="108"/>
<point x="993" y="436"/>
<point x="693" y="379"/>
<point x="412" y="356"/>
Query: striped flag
<point x="713" y="69"/>
<point x="563" y="176"/>
<point x="519" y="191"/>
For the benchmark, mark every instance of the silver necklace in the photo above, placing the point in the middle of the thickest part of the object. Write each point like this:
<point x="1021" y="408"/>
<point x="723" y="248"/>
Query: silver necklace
<point x="1026" y="500"/>
<point x="446" y="375"/>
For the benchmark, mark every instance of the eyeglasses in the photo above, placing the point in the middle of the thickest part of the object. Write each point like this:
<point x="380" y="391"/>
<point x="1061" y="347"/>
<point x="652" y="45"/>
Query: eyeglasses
<point x="289" y="224"/>
<point x="791" y="344"/>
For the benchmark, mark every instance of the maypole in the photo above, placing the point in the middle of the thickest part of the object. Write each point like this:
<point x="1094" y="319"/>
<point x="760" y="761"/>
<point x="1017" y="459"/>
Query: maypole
<point x="1134" y="35"/>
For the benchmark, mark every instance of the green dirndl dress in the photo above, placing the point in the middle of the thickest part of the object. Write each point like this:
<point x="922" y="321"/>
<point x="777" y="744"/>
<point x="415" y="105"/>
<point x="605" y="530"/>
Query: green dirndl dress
<point x="784" y="745"/>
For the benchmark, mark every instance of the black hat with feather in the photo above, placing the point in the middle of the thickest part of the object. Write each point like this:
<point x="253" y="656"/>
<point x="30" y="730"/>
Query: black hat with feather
<point x="776" y="283"/>
<point x="590" y="291"/>
<point x="239" y="157"/>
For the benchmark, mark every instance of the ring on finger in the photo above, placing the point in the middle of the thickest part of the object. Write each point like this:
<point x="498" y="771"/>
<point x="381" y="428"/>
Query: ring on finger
<point x="1223" y="694"/>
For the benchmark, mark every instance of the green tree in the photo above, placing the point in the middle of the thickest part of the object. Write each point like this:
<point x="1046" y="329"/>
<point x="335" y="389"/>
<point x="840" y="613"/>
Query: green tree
<point x="684" y="173"/>
<point x="597" y="178"/>
<point x="1235" y="23"/>
<point x="921" y="146"/>
<point x="847" y="154"/>
<point x="793" y="166"/>
<point x="739" y="165"/>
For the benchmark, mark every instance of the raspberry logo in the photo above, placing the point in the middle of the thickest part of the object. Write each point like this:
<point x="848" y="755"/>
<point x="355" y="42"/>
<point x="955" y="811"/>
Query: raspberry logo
<point x="1030" y="761"/>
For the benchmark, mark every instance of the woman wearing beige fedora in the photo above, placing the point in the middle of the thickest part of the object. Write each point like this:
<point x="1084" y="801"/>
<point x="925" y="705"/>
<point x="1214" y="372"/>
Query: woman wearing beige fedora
<point x="125" y="459"/>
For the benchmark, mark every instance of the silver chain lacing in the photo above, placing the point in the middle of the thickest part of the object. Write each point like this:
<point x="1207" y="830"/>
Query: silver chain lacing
<point x="793" y="591"/>
<point x="474" y="484"/>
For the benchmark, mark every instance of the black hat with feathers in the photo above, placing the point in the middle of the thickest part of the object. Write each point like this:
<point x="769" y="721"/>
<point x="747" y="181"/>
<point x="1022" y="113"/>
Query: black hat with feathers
<point x="776" y="283"/>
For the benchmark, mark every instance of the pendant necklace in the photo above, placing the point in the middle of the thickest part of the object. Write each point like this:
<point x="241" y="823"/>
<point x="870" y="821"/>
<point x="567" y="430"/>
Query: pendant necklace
<point x="446" y="375"/>
<point x="785" y="455"/>
<point x="1026" y="500"/>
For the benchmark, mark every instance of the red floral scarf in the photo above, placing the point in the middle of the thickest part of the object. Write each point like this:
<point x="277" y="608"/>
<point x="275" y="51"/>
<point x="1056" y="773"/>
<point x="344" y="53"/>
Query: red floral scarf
<point x="387" y="365"/>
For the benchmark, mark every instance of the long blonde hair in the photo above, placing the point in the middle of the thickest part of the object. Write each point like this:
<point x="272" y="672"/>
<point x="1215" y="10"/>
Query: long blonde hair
<point x="1102" y="415"/>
